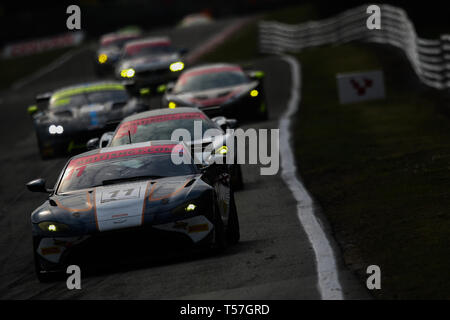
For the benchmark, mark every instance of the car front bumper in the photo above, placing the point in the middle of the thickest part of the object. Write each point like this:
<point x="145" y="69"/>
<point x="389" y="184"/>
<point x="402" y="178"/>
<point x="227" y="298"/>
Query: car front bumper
<point x="55" y="253"/>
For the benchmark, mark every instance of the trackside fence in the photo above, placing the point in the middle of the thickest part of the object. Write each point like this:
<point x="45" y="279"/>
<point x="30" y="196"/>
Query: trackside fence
<point x="430" y="59"/>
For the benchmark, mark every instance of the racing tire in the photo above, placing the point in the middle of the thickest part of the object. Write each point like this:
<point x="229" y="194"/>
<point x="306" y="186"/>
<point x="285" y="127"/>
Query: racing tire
<point x="236" y="178"/>
<point x="41" y="152"/>
<point x="220" y="238"/>
<point x="264" y="115"/>
<point x="233" y="230"/>
<point x="43" y="277"/>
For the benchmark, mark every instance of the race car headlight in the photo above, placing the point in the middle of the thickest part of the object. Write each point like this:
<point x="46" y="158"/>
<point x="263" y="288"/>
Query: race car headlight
<point x="102" y="58"/>
<point x="254" y="93"/>
<point x="186" y="208"/>
<point x="222" y="150"/>
<point x="53" y="129"/>
<point x="49" y="226"/>
<point x="172" y="105"/>
<point x="127" y="73"/>
<point x="176" y="66"/>
<point x="190" y="207"/>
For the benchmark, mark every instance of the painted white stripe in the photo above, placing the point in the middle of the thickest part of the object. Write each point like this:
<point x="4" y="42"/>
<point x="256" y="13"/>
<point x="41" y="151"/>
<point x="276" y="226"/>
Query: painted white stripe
<point x="49" y="68"/>
<point x="327" y="273"/>
<point x="216" y="40"/>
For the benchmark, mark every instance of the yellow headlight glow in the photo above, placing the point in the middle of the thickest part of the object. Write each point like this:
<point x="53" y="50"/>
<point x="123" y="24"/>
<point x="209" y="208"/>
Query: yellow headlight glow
<point x="176" y="66"/>
<point x="172" y="105"/>
<point x="254" y="93"/>
<point x="191" y="207"/>
<point x="102" y="58"/>
<point x="130" y="73"/>
<point x="222" y="150"/>
<point x="127" y="73"/>
<point x="52" y="226"/>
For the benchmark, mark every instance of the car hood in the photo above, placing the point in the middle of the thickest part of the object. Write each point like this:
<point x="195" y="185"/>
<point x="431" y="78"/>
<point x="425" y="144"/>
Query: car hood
<point x="121" y="205"/>
<point x="213" y="97"/>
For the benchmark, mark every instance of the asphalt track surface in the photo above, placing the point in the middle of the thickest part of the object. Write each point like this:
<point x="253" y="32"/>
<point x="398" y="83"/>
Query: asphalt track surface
<point x="274" y="259"/>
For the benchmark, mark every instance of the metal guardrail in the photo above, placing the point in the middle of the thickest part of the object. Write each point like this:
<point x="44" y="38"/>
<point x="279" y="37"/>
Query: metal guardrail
<point x="430" y="59"/>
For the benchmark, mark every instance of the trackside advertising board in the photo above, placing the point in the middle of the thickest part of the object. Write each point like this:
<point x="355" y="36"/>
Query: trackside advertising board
<point x="361" y="86"/>
<point x="34" y="46"/>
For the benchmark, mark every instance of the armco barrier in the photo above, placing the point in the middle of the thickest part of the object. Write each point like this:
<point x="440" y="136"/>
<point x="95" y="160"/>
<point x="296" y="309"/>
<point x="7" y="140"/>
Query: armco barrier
<point x="430" y="59"/>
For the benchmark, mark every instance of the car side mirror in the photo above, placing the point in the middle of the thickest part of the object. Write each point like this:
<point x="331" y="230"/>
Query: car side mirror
<point x="225" y="123"/>
<point x="215" y="159"/>
<point x="93" y="144"/>
<point x="166" y="88"/>
<point x="232" y="123"/>
<point x="105" y="139"/>
<point x="38" y="185"/>
<point x="144" y="92"/>
<point x="256" y="75"/>
<point x="32" y="109"/>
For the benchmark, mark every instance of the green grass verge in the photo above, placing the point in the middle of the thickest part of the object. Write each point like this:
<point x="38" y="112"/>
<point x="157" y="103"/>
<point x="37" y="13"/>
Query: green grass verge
<point x="379" y="170"/>
<point x="16" y="68"/>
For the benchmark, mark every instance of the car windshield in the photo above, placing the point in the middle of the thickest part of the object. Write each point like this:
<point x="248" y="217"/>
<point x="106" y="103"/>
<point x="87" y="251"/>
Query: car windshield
<point x="160" y="127"/>
<point x="148" y="50"/>
<point x="142" y="163"/>
<point x="204" y="81"/>
<point x="88" y="97"/>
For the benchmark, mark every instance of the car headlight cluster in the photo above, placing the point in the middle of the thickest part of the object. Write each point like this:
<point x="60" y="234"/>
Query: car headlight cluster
<point x="222" y="150"/>
<point x="186" y="208"/>
<point x="176" y="66"/>
<point x="102" y="58"/>
<point x="50" y="226"/>
<point x="190" y="207"/>
<point x="127" y="73"/>
<point x="53" y="129"/>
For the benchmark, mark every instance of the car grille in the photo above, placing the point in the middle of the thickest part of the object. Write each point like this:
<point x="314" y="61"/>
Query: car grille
<point x="111" y="246"/>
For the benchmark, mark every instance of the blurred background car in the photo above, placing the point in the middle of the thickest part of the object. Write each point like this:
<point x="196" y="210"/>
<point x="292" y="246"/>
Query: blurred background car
<point x="67" y="118"/>
<point x="219" y="89"/>
<point x="160" y="124"/>
<point x="195" y="19"/>
<point x="150" y="62"/>
<point x="110" y="49"/>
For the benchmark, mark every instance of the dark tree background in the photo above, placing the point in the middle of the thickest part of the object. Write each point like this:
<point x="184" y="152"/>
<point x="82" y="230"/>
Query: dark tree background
<point x="25" y="20"/>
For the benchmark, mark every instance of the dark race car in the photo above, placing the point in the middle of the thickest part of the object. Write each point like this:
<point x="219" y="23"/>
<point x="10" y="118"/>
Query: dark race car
<point x="161" y="123"/>
<point x="114" y="203"/>
<point x="69" y="117"/>
<point x="110" y="50"/>
<point x="150" y="62"/>
<point x="219" y="89"/>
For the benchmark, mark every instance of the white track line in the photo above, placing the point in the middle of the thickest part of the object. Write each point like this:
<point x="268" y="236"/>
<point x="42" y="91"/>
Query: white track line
<point x="47" y="69"/>
<point x="217" y="39"/>
<point x="327" y="273"/>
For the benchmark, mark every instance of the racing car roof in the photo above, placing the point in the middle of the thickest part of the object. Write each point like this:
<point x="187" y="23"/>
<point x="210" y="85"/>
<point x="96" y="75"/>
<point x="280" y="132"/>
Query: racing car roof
<point x="89" y="86"/>
<point x="160" y="112"/>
